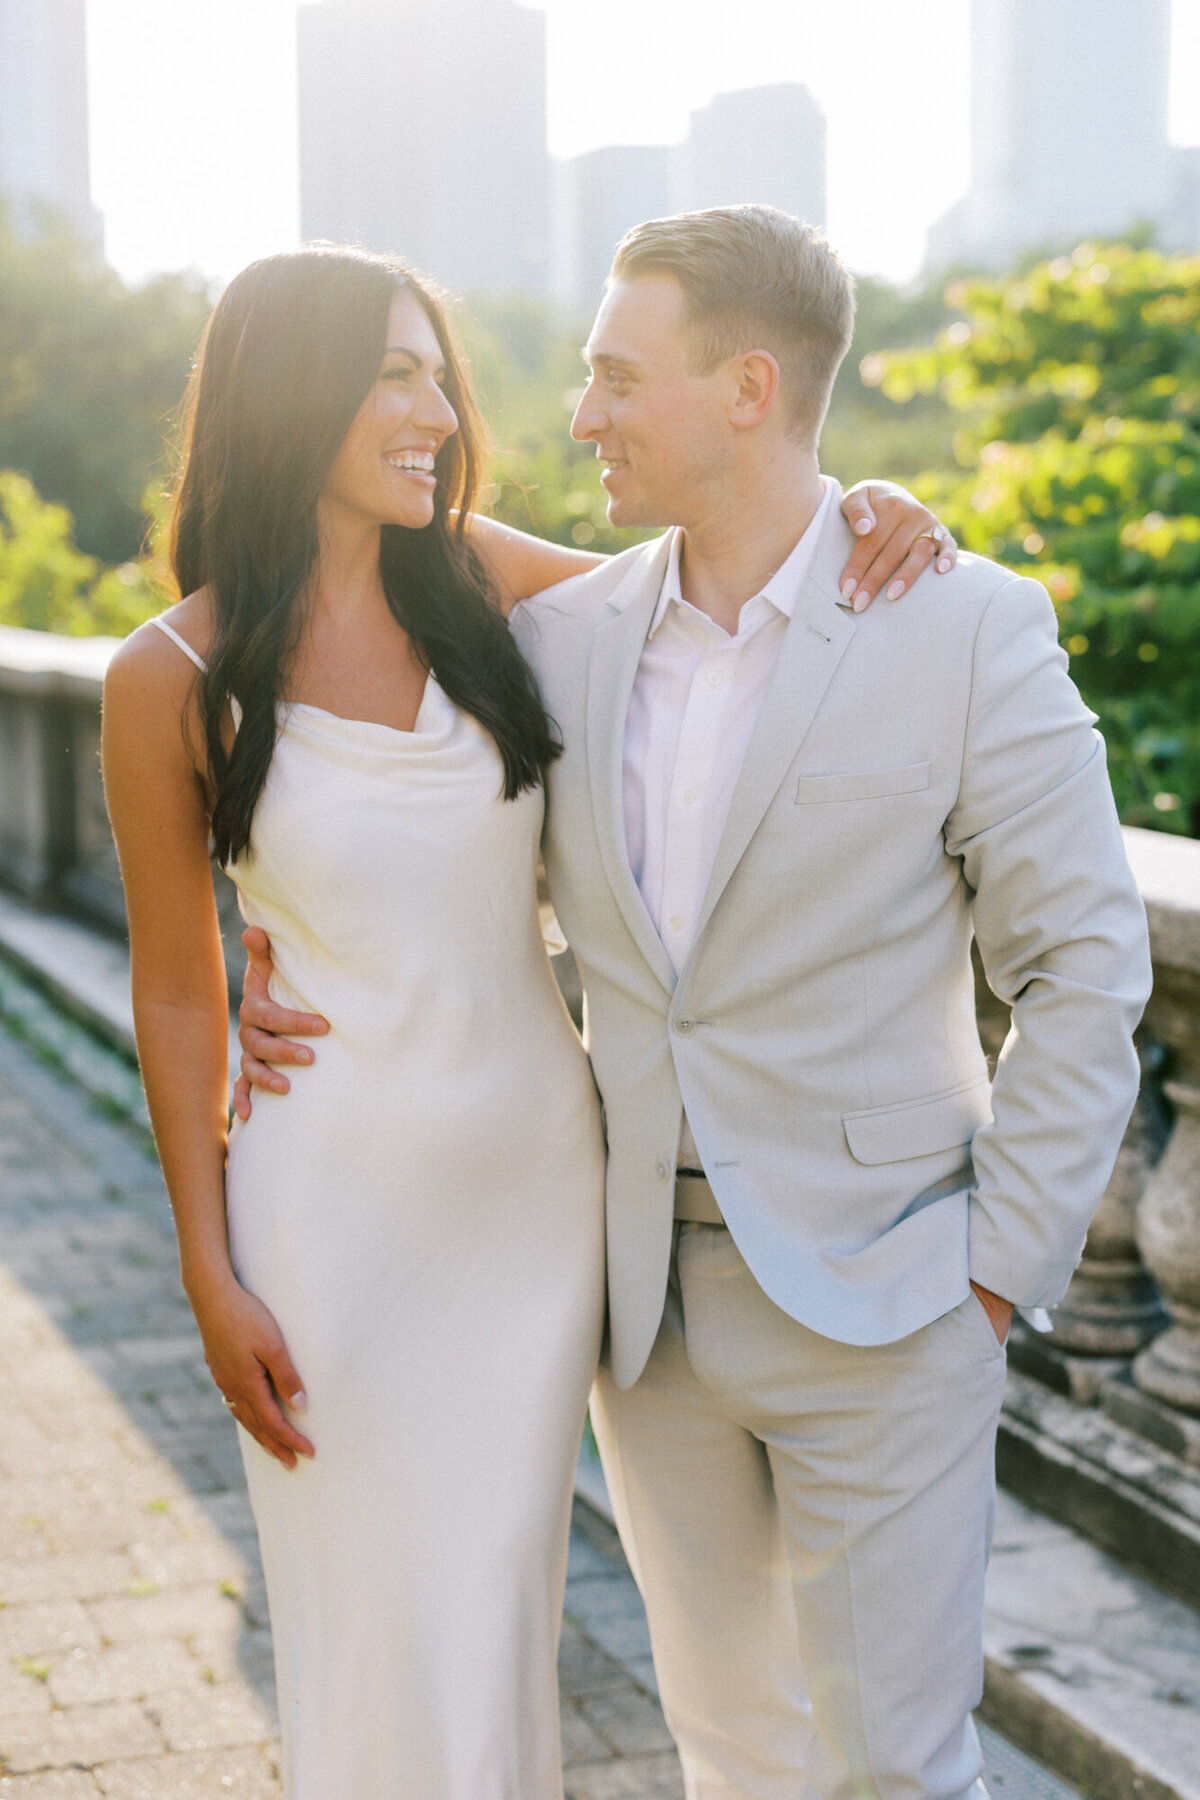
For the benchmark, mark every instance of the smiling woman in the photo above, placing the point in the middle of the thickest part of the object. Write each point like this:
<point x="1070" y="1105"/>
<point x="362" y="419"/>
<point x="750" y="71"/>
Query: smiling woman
<point x="319" y="371"/>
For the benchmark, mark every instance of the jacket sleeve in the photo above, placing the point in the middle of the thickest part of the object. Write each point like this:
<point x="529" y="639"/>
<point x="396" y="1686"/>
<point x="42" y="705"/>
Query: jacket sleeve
<point x="1062" y="933"/>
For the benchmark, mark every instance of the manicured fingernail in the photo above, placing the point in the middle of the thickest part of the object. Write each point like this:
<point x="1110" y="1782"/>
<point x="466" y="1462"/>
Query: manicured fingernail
<point x="848" y="588"/>
<point x="306" y="1056"/>
<point x="945" y="565"/>
<point x="299" y="1401"/>
<point x="865" y="524"/>
<point x="895" y="591"/>
<point x="861" y="600"/>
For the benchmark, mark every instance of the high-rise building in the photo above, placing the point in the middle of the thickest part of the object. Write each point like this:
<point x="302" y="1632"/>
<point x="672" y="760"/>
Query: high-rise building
<point x="423" y="134"/>
<point x="761" y="144"/>
<point x="764" y="144"/>
<point x="1068" y="130"/>
<point x="598" y="197"/>
<point x="44" y="114"/>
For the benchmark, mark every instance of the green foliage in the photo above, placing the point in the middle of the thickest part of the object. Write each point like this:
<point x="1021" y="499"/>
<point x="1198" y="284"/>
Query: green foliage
<point x="48" y="584"/>
<point x="1079" y="462"/>
<point x="90" y="373"/>
<point x="864" y="434"/>
<point x="528" y="376"/>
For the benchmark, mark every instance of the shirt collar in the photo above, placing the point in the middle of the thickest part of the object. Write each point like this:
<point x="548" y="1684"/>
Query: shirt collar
<point x="782" y="590"/>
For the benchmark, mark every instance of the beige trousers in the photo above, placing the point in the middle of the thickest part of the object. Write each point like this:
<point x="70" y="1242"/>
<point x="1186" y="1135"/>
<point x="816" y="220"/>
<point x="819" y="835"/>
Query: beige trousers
<point x="808" y="1522"/>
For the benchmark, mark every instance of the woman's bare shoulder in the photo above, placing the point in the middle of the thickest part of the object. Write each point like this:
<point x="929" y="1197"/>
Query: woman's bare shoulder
<point x="149" y="657"/>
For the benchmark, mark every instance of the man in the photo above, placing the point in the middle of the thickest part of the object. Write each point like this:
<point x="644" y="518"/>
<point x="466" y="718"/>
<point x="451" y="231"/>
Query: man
<point x="774" y="828"/>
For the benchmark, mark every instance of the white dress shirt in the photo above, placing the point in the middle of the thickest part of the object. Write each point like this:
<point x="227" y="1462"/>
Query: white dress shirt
<point x="695" y="700"/>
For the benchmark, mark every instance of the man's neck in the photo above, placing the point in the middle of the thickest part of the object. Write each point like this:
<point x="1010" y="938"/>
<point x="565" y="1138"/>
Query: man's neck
<point x="729" y="555"/>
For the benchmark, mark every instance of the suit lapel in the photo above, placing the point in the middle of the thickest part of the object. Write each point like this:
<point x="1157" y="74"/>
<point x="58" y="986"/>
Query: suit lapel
<point x="817" y="638"/>
<point x="616" y="650"/>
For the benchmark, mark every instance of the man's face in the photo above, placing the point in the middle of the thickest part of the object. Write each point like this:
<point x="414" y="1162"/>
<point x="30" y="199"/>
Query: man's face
<point x="661" y="429"/>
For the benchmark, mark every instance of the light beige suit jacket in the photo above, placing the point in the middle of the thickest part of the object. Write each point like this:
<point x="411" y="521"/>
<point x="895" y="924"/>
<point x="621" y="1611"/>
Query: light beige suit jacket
<point x="917" y="773"/>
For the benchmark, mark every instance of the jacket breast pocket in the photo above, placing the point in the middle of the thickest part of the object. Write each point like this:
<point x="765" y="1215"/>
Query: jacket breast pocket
<point x="871" y="784"/>
<point x="946" y="1121"/>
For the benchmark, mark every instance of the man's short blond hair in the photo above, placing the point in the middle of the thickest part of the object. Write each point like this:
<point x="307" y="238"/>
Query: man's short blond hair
<point x="754" y="278"/>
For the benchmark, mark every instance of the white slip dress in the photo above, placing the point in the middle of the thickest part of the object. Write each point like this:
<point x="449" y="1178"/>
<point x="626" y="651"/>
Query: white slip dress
<point x="423" y="1215"/>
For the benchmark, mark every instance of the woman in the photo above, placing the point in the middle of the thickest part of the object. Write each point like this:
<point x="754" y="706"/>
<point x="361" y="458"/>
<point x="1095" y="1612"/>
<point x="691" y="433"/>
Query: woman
<point x="405" y="1274"/>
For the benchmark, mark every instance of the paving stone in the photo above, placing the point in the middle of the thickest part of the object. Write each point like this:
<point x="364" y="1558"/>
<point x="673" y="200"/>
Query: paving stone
<point x="208" y="1717"/>
<point x="44" y="1629"/>
<point x="623" y="1634"/>
<point x="583" y="1668"/>
<point x="122" y="1672"/>
<point x="173" y="1612"/>
<point x="244" y="1773"/>
<point x="23" y="1685"/>
<point x="635" y="1778"/>
<point x="80" y="1736"/>
<point x="628" y="1721"/>
<point x="603" y="1597"/>
<point x="581" y="1742"/>
<point x="81" y="1575"/>
<point x="236" y="1654"/>
<point x="59" y="1784"/>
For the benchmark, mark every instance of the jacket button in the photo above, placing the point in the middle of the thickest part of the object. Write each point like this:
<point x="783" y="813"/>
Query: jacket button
<point x="662" y="1168"/>
<point x="683" y="1026"/>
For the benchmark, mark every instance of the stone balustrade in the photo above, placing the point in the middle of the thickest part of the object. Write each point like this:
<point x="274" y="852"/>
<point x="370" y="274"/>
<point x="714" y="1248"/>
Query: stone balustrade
<point x="56" y="848"/>
<point x="1124" y="1352"/>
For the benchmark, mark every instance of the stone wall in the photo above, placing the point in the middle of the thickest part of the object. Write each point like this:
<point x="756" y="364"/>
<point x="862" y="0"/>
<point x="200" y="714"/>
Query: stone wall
<point x="1102" y="1422"/>
<point x="56" y="848"/>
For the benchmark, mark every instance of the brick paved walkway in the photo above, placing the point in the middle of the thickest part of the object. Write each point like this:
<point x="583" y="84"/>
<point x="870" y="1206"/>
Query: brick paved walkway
<point x="135" y="1657"/>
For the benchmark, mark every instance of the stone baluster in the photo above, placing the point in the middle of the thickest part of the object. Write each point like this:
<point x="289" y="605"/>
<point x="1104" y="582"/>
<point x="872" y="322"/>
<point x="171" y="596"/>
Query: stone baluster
<point x="1169" y="1216"/>
<point x="1112" y="1307"/>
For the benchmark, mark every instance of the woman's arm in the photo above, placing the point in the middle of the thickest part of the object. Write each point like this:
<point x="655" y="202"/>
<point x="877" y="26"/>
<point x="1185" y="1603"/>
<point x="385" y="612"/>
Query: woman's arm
<point x="159" y="818"/>
<point x="521" y="565"/>
<point x="892" y="526"/>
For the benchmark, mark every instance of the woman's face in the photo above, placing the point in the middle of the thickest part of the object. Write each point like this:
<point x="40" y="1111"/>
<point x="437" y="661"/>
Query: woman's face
<point x="383" y="472"/>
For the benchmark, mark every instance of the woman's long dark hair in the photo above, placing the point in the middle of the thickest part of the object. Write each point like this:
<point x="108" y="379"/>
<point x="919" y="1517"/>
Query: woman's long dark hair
<point x="288" y="356"/>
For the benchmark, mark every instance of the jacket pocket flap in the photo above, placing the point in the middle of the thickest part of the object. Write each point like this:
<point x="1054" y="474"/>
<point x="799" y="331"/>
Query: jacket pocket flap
<point x="871" y="784"/>
<point x="886" y="1134"/>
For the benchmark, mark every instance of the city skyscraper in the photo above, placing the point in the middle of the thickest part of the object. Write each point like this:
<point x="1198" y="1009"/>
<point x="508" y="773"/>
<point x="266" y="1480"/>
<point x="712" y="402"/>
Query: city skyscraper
<point x="760" y="144"/>
<point x="423" y="133"/>
<point x="598" y="197"/>
<point x="765" y="144"/>
<point x="1068" y="130"/>
<point x="44" y="113"/>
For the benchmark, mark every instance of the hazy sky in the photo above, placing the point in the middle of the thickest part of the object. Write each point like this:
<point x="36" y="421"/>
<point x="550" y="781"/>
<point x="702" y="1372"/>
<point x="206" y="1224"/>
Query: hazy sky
<point x="193" y="109"/>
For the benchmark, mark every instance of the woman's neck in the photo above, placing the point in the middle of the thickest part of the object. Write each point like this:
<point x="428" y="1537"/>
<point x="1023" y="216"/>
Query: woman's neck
<point x="346" y="578"/>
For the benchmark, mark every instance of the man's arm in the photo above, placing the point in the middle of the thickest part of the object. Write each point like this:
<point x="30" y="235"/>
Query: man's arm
<point x="1062" y="933"/>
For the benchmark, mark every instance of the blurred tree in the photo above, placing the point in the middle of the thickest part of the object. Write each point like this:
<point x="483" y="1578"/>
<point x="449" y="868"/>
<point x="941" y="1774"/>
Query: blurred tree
<point x="48" y="584"/>
<point x="528" y="376"/>
<point x="864" y="433"/>
<point x="1079" y="462"/>
<point x="90" y="372"/>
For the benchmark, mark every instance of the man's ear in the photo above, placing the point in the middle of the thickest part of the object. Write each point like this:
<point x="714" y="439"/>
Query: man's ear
<point x="756" y="374"/>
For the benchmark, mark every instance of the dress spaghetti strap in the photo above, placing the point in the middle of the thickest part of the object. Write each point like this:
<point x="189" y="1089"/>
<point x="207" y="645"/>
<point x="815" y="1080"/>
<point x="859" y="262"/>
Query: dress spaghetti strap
<point x="169" y="631"/>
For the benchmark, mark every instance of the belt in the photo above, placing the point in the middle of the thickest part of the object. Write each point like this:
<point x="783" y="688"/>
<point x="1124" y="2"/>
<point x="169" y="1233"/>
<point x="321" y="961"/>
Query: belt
<point x="695" y="1202"/>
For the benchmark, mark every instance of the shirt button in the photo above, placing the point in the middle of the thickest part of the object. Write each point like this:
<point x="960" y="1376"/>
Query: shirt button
<point x="714" y="678"/>
<point x="688" y="796"/>
<point x="676" y="921"/>
<point x="662" y="1169"/>
<point x="684" y="1026"/>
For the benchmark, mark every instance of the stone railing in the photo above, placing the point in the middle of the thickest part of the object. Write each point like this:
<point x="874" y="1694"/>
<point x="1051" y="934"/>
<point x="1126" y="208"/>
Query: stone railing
<point x="1102" y="1423"/>
<point x="56" y="848"/>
